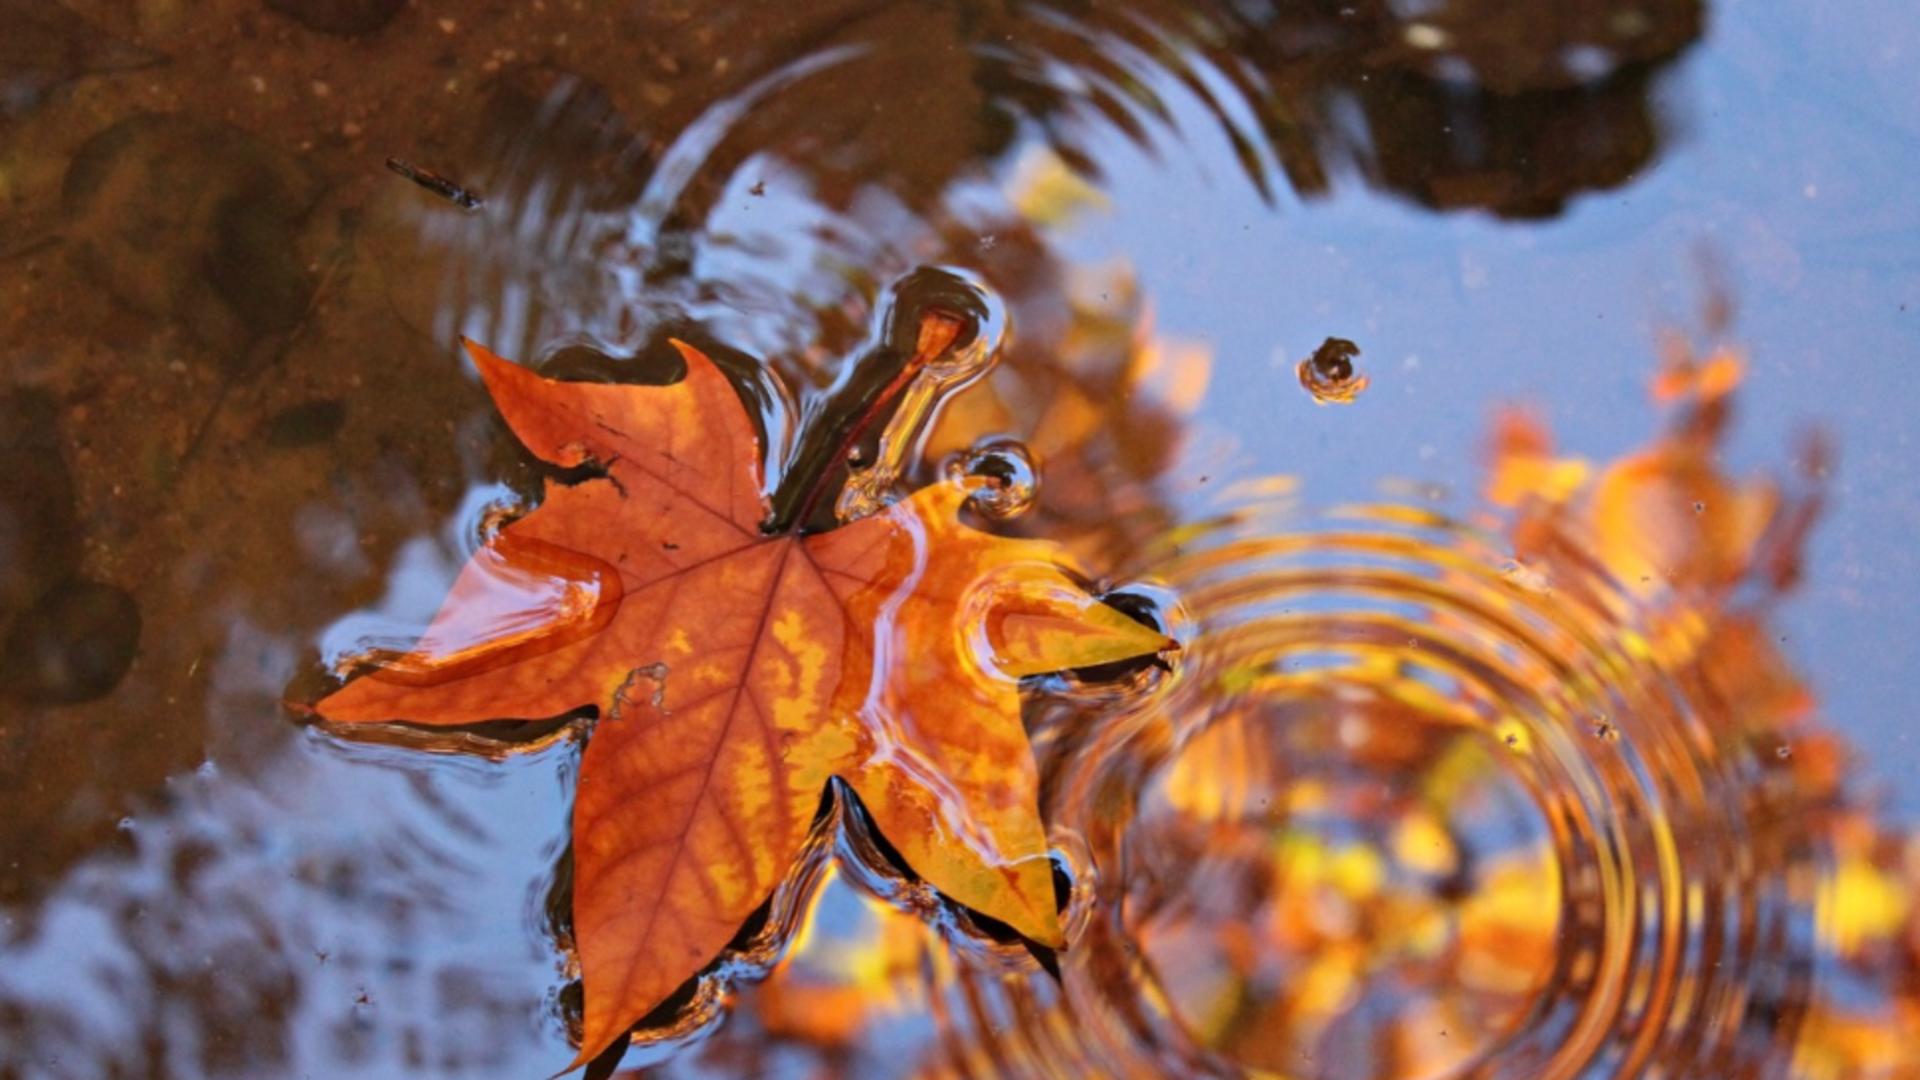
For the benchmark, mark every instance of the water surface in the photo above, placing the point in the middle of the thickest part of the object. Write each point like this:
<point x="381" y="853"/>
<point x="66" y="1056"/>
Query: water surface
<point x="238" y="441"/>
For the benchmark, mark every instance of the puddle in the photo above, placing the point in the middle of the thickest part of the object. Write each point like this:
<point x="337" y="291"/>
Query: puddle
<point x="1488" y="754"/>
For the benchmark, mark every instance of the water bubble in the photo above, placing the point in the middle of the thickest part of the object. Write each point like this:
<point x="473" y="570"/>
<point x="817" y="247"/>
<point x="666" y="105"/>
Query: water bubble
<point x="960" y="330"/>
<point x="999" y="476"/>
<point x="1329" y="373"/>
<point x="868" y="491"/>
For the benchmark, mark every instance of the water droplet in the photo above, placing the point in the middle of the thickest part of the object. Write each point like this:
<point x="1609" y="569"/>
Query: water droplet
<point x="496" y="516"/>
<point x="647" y="683"/>
<point x="868" y="491"/>
<point x="999" y="476"/>
<point x="957" y="342"/>
<point x="1329" y="373"/>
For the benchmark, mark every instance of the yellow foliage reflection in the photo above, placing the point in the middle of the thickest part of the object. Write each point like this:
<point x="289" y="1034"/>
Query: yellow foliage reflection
<point x="1432" y="799"/>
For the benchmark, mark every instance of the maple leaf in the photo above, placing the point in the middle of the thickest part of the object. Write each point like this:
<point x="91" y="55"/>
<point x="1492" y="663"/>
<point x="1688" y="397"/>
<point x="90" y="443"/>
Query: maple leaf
<point x="737" y="672"/>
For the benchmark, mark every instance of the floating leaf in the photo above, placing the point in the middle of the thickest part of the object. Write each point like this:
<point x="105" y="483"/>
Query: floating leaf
<point x="736" y="672"/>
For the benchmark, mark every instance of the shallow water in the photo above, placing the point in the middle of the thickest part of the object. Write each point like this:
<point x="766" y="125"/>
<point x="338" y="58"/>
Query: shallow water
<point x="1439" y="788"/>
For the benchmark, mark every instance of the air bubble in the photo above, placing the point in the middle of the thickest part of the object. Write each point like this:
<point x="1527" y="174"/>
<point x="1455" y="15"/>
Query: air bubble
<point x="999" y="477"/>
<point x="1329" y="373"/>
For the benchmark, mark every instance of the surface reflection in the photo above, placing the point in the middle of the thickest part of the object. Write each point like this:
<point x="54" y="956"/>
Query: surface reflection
<point x="1530" y="796"/>
<point x="1451" y="104"/>
<point x="787" y="196"/>
<point x="328" y="913"/>
<point x="236" y="442"/>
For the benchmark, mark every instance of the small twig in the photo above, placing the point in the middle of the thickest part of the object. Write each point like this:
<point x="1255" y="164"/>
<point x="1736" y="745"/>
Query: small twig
<point x="439" y="185"/>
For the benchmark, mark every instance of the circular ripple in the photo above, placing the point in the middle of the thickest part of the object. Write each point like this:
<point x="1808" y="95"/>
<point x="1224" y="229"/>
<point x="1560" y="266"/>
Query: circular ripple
<point x="1410" y="811"/>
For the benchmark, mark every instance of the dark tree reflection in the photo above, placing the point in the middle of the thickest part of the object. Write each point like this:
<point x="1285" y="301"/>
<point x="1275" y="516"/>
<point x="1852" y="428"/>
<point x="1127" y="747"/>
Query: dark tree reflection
<point x="1506" y="106"/>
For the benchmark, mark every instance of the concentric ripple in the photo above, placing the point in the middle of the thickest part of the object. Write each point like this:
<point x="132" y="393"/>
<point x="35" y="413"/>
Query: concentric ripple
<point x="1413" y="810"/>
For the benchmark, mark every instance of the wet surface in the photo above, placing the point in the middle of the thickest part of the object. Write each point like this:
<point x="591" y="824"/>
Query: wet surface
<point x="1427" y="692"/>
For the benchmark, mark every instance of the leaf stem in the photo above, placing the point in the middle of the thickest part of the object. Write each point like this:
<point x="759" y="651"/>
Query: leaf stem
<point x="939" y="329"/>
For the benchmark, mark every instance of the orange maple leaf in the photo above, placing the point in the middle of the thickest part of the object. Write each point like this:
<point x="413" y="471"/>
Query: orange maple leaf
<point x="736" y="672"/>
